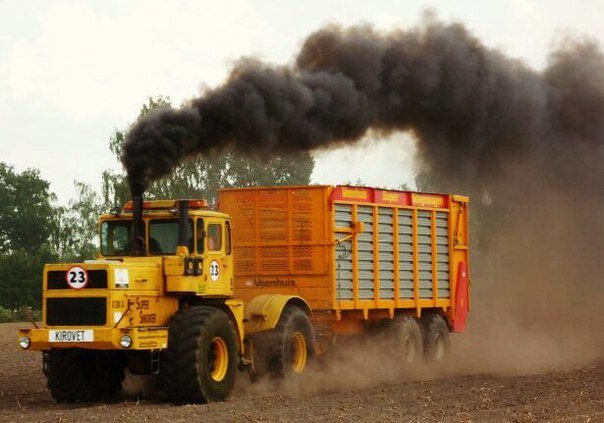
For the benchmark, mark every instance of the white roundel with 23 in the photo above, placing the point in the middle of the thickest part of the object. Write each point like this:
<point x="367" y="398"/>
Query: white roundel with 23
<point x="76" y="277"/>
<point x="214" y="270"/>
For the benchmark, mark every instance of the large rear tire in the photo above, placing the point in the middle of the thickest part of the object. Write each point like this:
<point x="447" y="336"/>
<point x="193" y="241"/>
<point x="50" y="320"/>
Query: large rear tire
<point x="201" y="360"/>
<point x="436" y="339"/>
<point x="76" y="375"/>
<point x="287" y="350"/>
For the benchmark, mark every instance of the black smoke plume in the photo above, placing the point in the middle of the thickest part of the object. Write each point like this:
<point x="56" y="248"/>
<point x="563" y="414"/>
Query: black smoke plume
<point x="471" y="108"/>
<point x="527" y="145"/>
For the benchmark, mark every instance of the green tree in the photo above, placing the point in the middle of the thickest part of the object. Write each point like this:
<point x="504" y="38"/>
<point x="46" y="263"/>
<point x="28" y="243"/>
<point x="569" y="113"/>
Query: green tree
<point x="202" y="177"/>
<point x="21" y="277"/>
<point x="27" y="222"/>
<point x="26" y="209"/>
<point x="75" y="237"/>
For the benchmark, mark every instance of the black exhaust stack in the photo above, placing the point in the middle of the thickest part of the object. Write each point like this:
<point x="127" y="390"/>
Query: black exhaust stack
<point x="138" y="234"/>
<point x="183" y="223"/>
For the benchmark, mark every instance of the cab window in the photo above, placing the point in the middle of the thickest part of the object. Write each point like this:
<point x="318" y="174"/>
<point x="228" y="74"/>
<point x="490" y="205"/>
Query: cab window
<point x="214" y="237"/>
<point x="116" y="237"/>
<point x="163" y="236"/>
<point x="200" y="236"/>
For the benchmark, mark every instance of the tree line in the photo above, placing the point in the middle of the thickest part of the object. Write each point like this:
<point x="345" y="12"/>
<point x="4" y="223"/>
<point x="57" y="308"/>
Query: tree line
<point x="35" y="229"/>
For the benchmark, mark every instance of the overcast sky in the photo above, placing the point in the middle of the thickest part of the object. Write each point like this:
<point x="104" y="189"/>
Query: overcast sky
<point x="73" y="71"/>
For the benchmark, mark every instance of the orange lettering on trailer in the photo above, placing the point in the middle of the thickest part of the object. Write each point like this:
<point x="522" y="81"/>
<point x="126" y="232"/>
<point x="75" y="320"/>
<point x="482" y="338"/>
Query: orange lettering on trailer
<point x="425" y="200"/>
<point x="391" y="197"/>
<point x="355" y="194"/>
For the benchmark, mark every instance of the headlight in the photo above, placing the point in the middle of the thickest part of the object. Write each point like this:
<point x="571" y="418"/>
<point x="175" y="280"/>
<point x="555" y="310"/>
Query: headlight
<point x="126" y="341"/>
<point x="24" y="342"/>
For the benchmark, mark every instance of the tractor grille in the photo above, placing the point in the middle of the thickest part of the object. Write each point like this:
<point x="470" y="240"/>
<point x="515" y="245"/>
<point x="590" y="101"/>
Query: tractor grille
<point x="96" y="279"/>
<point x="76" y="311"/>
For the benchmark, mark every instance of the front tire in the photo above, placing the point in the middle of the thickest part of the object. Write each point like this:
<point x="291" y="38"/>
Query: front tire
<point x="76" y="375"/>
<point x="201" y="360"/>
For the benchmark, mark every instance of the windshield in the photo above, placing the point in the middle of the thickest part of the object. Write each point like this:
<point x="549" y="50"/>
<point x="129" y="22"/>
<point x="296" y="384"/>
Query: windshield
<point x="163" y="236"/>
<point x="116" y="238"/>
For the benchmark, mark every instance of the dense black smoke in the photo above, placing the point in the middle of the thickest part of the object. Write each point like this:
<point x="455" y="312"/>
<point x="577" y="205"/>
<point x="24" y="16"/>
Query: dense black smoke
<point x="438" y="81"/>
<point x="527" y="145"/>
<point x="471" y="108"/>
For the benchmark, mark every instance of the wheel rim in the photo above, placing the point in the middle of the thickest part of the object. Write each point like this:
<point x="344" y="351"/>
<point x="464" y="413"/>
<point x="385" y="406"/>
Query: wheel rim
<point x="219" y="359"/>
<point x="298" y="353"/>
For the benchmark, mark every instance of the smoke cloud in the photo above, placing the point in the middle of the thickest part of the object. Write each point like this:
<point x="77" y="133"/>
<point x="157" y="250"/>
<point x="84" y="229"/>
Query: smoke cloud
<point x="527" y="145"/>
<point x="437" y="81"/>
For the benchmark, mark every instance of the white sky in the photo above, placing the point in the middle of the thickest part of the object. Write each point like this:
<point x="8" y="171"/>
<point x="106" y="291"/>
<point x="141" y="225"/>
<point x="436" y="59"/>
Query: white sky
<point x="73" y="71"/>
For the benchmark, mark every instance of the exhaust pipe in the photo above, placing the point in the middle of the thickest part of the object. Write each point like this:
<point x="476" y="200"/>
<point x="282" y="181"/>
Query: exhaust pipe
<point x="183" y="223"/>
<point x="138" y="234"/>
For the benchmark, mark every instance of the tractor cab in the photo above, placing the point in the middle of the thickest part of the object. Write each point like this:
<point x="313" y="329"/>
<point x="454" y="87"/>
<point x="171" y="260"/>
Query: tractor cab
<point x="192" y="243"/>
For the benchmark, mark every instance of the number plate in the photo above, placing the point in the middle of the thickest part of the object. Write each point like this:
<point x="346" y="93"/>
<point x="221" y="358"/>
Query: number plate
<point x="71" y="335"/>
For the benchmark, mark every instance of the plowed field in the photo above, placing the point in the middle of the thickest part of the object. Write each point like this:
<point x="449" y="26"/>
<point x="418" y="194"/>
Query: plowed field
<point x="571" y="395"/>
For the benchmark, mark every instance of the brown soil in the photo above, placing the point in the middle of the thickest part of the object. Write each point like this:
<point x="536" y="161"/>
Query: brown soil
<point x="571" y="395"/>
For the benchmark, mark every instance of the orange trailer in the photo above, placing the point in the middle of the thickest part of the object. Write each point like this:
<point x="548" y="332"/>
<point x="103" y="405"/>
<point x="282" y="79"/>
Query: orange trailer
<point x="356" y="255"/>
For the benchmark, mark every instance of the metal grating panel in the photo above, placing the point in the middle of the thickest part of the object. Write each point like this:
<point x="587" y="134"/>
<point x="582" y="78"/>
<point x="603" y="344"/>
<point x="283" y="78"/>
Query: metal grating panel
<point x="386" y="252"/>
<point x="281" y="231"/>
<point x="424" y="260"/>
<point x="302" y="216"/>
<point x="365" y="254"/>
<point x="405" y="255"/>
<point x="344" y="275"/>
<point x="56" y="279"/>
<point x="442" y="256"/>
<point x="76" y="311"/>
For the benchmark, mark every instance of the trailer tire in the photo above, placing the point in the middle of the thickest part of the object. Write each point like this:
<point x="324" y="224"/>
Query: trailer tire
<point x="436" y="338"/>
<point x="408" y="339"/>
<point x="76" y="375"/>
<point x="286" y="351"/>
<point x="202" y="357"/>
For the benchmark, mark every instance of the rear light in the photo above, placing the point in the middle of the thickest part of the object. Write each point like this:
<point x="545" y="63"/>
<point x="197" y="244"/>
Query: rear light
<point x="198" y="204"/>
<point x="129" y="206"/>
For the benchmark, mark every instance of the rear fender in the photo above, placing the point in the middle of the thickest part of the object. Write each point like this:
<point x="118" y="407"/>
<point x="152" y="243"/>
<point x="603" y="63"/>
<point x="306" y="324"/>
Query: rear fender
<point x="264" y="311"/>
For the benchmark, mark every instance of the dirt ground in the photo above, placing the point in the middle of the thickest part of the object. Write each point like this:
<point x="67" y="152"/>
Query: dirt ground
<point x="570" y="395"/>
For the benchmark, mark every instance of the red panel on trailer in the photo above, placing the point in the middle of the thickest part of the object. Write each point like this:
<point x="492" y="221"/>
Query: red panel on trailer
<point x="388" y="197"/>
<point x="461" y="299"/>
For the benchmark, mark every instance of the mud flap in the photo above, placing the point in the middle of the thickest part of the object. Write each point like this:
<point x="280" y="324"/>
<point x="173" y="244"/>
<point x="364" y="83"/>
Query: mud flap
<point x="461" y="299"/>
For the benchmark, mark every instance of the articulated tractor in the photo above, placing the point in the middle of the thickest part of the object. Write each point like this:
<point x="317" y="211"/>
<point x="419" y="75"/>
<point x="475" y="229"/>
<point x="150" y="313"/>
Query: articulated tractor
<point x="264" y="285"/>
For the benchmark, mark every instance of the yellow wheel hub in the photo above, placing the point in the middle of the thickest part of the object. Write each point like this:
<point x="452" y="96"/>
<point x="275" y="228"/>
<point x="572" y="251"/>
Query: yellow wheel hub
<point x="219" y="359"/>
<point x="299" y="353"/>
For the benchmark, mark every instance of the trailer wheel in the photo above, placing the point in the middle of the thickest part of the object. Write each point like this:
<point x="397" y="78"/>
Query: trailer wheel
<point x="76" y="375"/>
<point x="287" y="350"/>
<point x="201" y="360"/>
<point x="408" y="339"/>
<point x="436" y="338"/>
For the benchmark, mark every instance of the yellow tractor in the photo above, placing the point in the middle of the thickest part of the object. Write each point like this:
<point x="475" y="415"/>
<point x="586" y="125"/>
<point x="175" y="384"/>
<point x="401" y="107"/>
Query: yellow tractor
<point x="159" y="299"/>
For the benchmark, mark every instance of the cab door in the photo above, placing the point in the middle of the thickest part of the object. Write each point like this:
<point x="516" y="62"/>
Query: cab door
<point x="218" y="262"/>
